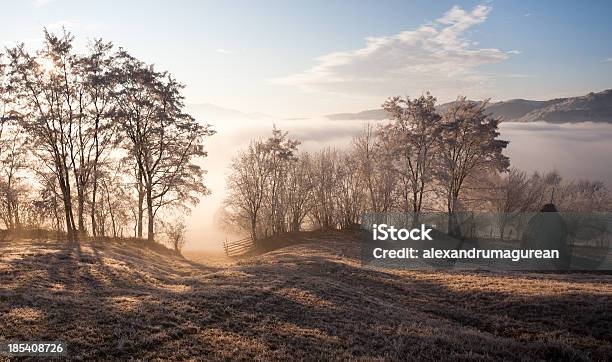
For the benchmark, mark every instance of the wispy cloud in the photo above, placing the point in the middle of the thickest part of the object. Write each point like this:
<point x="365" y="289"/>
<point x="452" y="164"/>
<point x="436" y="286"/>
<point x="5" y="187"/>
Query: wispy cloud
<point x="436" y="56"/>
<point x="608" y="60"/>
<point x="223" y="51"/>
<point x="40" y="3"/>
<point x="519" y="75"/>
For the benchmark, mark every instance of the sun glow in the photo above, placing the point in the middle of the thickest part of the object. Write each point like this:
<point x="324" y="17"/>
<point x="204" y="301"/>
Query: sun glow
<point x="46" y="65"/>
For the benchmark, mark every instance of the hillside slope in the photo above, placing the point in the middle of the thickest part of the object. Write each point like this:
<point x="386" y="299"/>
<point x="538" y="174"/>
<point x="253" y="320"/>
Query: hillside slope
<point x="593" y="107"/>
<point x="308" y="301"/>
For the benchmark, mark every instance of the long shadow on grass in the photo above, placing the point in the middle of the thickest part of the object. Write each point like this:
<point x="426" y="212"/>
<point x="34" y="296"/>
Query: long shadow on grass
<point x="301" y="307"/>
<point x="78" y="296"/>
<point x="368" y="313"/>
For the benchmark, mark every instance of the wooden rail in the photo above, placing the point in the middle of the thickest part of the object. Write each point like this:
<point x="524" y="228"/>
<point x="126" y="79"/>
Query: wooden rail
<point x="238" y="247"/>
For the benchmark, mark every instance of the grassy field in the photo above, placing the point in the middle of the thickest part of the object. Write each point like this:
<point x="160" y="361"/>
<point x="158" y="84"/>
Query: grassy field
<point x="308" y="301"/>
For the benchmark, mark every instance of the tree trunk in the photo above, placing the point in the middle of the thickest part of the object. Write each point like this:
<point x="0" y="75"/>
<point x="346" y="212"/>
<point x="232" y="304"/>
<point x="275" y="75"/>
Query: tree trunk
<point x="110" y="212"/>
<point x="58" y="224"/>
<point x="453" y="224"/>
<point x="416" y="212"/>
<point x="295" y="223"/>
<point x="150" y="236"/>
<point x="140" y="208"/>
<point x="93" y="203"/>
<point x="63" y="178"/>
<point x="9" y="211"/>
<point x="68" y="214"/>
<point x="95" y="177"/>
<point x="81" y="210"/>
<point x="254" y="230"/>
<point x="502" y="230"/>
<point x="103" y="228"/>
<point x="16" y="208"/>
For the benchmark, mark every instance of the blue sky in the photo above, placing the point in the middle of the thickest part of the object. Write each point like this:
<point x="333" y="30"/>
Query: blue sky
<point x="290" y="58"/>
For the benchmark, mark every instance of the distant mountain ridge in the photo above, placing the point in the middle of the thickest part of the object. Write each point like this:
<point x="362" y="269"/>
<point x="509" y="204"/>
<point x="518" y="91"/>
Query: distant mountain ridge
<point x="593" y="107"/>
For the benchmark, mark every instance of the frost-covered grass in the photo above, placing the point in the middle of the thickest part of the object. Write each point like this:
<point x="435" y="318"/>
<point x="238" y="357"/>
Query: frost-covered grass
<point x="308" y="301"/>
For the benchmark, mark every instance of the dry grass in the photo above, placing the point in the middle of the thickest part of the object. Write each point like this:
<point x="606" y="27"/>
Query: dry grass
<point x="310" y="301"/>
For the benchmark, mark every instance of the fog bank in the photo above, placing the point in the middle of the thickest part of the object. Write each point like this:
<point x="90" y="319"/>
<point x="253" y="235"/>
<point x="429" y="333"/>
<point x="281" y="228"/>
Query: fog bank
<point x="577" y="151"/>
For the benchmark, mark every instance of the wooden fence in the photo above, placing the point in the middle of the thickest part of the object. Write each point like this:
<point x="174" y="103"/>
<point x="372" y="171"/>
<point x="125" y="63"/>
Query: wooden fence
<point x="238" y="247"/>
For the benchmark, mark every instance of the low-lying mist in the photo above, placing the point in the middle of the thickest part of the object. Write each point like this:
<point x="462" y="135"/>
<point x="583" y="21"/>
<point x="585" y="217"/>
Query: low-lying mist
<point x="577" y="151"/>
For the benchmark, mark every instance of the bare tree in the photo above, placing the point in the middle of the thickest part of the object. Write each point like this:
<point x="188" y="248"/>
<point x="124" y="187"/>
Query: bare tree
<point x="374" y="165"/>
<point x="246" y="185"/>
<point x="469" y="144"/>
<point x="115" y="200"/>
<point x="95" y="129"/>
<point x="515" y="195"/>
<point x="13" y="162"/>
<point x="351" y="193"/>
<point x="48" y="109"/>
<point x="7" y="92"/>
<point x="325" y="178"/>
<point x="282" y="152"/>
<point x="414" y="137"/>
<point x="175" y="233"/>
<point x="298" y="196"/>
<point x="50" y="199"/>
<point x="163" y="140"/>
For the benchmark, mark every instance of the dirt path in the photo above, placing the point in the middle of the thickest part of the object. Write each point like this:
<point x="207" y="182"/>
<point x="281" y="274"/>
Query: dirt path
<point x="209" y="257"/>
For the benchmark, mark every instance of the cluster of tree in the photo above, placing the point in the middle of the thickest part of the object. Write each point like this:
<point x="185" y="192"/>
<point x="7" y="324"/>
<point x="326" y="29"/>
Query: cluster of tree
<point x="422" y="160"/>
<point x="516" y="194"/>
<point x="260" y="188"/>
<point x="93" y="143"/>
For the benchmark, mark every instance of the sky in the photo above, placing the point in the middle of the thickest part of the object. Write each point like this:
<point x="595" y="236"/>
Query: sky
<point x="301" y="59"/>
